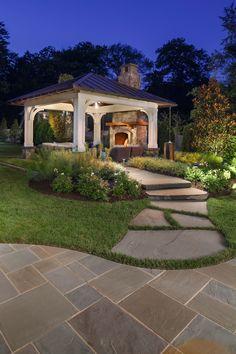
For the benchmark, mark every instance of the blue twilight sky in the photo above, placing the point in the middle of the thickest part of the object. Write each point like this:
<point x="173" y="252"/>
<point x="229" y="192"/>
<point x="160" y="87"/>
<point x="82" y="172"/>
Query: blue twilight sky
<point x="144" y="24"/>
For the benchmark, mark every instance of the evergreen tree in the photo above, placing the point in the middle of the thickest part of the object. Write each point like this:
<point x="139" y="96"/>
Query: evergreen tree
<point x="15" y="131"/>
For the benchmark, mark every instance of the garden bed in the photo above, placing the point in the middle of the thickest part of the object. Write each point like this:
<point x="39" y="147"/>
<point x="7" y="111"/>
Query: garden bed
<point x="45" y="188"/>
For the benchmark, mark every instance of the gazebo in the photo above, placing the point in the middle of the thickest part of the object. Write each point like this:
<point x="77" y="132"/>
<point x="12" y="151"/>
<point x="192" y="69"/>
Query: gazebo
<point x="95" y="95"/>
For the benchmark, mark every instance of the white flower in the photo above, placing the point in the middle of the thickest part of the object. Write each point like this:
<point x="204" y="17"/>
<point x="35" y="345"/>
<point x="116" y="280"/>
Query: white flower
<point x="62" y="174"/>
<point x="92" y="173"/>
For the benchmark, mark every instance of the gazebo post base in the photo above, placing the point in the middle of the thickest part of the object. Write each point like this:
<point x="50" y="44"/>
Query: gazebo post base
<point x="28" y="151"/>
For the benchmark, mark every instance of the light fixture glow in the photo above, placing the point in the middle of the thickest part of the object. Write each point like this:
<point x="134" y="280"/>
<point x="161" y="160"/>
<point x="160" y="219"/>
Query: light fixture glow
<point x="96" y="105"/>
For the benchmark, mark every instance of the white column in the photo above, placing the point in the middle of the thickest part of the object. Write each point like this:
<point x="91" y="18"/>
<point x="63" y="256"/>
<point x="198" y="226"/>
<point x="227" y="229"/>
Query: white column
<point x="79" y="123"/>
<point x="152" y="127"/>
<point x="97" y="127"/>
<point x="28" y="127"/>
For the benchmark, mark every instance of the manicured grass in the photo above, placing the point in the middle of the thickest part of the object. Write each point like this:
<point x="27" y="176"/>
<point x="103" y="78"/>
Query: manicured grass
<point x="222" y="211"/>
<point x="27" y="216"/>
<point x="10" y="150"/>
<point x="31" y="217"/>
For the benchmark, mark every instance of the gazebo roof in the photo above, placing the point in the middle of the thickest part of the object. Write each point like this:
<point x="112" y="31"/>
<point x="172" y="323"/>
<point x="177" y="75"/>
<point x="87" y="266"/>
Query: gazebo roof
<point x="95" y="83"/>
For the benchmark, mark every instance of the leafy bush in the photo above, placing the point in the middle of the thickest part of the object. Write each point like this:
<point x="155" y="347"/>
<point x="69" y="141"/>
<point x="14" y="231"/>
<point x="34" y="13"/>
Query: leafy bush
<point x="125" y="186"/>
<point x="194" y="174"/>
<point x="159" y="165"/>
<point x="43" y="132"/>
<point x="92" y="186"/>
<point x="229" y="152"/>
<point x="189" y="157"/>
<point x="62" y="184"/>
<point x="216" y="180"/>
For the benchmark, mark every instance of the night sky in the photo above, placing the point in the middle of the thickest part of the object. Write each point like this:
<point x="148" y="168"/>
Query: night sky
<point x="144" y="24"/>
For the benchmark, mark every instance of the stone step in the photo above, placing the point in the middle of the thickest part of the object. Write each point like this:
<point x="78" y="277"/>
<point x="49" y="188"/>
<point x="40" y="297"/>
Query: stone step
<point x="168" y="185"/>
<point x="177" y="194"/>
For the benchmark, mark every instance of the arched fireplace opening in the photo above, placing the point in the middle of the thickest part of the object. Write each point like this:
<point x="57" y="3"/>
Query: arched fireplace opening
<point x="121" y="138"/>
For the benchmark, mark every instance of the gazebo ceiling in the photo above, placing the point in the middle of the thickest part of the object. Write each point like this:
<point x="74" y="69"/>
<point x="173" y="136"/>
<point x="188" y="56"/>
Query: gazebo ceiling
<point x="94" y="83"/>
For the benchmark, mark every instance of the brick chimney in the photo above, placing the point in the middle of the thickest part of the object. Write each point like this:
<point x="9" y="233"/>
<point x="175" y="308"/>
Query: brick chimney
<point x="129" y="75"/>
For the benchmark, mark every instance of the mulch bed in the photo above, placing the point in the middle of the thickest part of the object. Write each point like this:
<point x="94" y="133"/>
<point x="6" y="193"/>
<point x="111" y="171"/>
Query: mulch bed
<point x="45" y="188"/>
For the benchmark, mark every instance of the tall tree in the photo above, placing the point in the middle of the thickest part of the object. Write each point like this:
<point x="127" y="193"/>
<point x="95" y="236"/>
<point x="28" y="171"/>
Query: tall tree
<point x="179" y="67"/>
<point x="119" y="54"/>
<point x="227" y="58"/>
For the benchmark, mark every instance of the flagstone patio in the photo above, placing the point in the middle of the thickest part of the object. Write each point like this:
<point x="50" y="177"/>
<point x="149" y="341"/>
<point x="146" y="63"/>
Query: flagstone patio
<point x="55" y="301"/>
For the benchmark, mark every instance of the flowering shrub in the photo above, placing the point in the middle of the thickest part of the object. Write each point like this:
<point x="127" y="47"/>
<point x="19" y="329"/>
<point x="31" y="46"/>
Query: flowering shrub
<point x="194" y="174"/>
<point x="92" y="186"/>
<point x="62" y="184"/>
<point x="125" y="186"/>
<point x="216" y="180"/>
<point x="83" y="173"/>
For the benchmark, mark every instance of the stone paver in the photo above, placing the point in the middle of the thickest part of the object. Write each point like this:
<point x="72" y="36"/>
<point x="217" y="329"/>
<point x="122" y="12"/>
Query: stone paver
<point x="117" y="332"/>
<point x="120" y="282"/>
<point x="180" y="284"/>
<point x="180" y="205"/>
<point x="62" y="340"/>
<point x="171" y="244"/>
<point x="16" y="260"/>
<point x="98" y="265"/>
<point x="4" y="249"/>
<point x="26" y="278"/>
<point x="204" y="336"/>
<point x="150" y="217"/>
<point x="192" y="221"/>
<point x="28" y="349"/>
<point x="221" y="292"/>
<point x="4" y="349"/>
<point x="7" y="291"/>
<point x="64" y="279"/>
<point x="33" y="313"/>
<point x="215" y="310"/>
<point x="83" y="297"/>
<point x="159" y="312"/>
<point x="117" y="308"/>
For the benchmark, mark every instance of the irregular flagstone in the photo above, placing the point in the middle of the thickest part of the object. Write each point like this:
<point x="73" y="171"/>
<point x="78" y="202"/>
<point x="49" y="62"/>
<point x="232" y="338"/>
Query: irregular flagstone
<point x="192" y="207"/>
<point x="162" y="314"/>
<point x="180" y="284"/>
<point x="108" y="329"/>
<point x="16" y="260"/>
<point x="221" y="292"/>
<point x="171" y="244"/>
<point x="192" y="221"/>
<point x="150" y="217"/>
<point x="204" y="336"/>
<point x="215" y="310"/>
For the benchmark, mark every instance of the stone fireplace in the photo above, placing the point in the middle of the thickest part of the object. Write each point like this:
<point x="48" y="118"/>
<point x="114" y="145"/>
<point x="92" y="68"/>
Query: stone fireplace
<point x="128" y="128"/>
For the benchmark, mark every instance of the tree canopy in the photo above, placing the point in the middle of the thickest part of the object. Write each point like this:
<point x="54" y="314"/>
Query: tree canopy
<point x="179" y="67"/>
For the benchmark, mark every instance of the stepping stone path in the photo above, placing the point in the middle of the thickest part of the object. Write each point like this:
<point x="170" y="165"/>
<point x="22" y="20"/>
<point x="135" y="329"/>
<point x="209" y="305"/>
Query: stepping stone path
<point x="150" y="217"/>
<point x="179" y="241"/>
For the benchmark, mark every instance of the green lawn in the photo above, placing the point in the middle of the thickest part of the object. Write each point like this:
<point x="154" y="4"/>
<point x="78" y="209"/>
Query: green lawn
<point x="8" y="150"/>
<point x="27" y="216"/>
<point x="31" y="217"/>
<point x="222" y="211"/>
